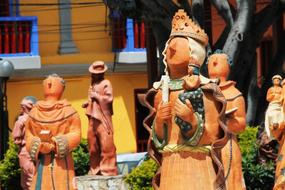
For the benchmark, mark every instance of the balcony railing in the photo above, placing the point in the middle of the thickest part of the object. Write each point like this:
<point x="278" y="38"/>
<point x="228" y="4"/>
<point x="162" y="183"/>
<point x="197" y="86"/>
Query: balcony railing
<point x="19" y="40"/>
<point x="19" y="35"/>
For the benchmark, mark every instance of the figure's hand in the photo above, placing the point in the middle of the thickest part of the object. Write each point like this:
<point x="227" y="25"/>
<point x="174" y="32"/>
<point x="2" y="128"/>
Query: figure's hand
<point x="191" y="82"/>
<point x="46" y="147"/>
<point x="163" y="114"/>
<point x="84" y="105"/>
<point x="95" y="95"/>
<point x="184" y="111"/>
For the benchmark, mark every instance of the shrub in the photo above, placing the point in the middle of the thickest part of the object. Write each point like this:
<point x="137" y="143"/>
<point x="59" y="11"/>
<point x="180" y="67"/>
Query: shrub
<point x="9" y="167"/>
<point x="141" y="176"/>
<point x="10" y="170"/>
<point x="81" y="158"/>
<point x="257" y="176"/>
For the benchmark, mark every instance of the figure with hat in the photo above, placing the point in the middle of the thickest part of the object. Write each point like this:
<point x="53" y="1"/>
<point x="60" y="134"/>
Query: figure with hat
<point x="219" y="68"/>
<point x="274" y="114"/>
<point x="53" y="130"/>
<point x="99" y="111"/>
<point x="26" y="164"/>
<point x="187" y="115"/>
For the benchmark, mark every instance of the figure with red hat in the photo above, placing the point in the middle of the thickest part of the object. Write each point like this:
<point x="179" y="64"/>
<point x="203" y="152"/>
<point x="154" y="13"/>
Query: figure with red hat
<point x="25" y="161"/>
<point x="99" y="111"/>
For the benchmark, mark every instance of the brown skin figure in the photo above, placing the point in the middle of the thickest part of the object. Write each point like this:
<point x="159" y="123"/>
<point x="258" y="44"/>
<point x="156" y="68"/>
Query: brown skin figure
<point x="99" y="111"/>
<point x="25" y="161"/>
<point x="186" y="130"/>
<point x="219" y="68"/>
<point x="53" y="130"/>
<point x="277" y="131"/>
<point x="274" y="114"/>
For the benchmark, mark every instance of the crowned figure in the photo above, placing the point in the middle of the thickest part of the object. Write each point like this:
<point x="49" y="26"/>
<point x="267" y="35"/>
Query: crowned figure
<point x="187" y="121"/>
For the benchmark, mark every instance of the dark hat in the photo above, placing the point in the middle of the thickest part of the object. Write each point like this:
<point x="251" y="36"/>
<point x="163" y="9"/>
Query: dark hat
<point x="98" y="67"/>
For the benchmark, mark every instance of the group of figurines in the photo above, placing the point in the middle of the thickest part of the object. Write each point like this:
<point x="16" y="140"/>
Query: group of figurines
<point x="48" y="130"/>
<point x="193" y="123"/>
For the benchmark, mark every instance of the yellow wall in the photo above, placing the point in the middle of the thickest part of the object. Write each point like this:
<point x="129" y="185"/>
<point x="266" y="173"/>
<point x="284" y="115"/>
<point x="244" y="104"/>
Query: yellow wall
<point x="93" y="40"/>
<point x="76" y="93"/>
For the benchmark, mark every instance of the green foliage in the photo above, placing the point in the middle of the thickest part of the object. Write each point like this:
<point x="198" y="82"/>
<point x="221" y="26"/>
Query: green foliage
<point x="10" y="169"/>
<point x="257" y="176"/>
<point x="81" y="158"/>
<point x="141" y="176"/>
<point x="9" y="166"/>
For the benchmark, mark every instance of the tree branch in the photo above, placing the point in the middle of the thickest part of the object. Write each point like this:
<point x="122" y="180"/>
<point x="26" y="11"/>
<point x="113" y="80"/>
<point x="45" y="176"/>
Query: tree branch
<point x="198" y="12"/>
<point x="154" y="14"/>
<point x="185" y="4"/>
<point x="265" y="18"/>
<point x="168" y="5"/>
<point x="245" y="10"/>
<point x="224" y="10"/>
<point x="222" y="39"/>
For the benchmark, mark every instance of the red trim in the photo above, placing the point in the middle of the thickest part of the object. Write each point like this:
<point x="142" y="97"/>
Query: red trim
<point x="136" y="34"/>
<point x="20" y="38"/>
<point x="13" y="37"/>
<point x="6" y="40"/>
<point x="0" y="38"/>
<point x="27" y="37"/>
<point x="142" y="35"/>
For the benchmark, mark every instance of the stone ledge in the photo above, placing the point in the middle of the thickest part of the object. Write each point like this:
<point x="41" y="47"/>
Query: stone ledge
<point x="98" y="182"/>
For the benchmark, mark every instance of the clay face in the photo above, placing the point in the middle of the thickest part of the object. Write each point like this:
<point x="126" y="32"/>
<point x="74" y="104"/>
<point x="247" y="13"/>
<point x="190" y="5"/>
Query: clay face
<point x="53" y="87"/>
<point x="218" y="66"/>
<point x="177" y="52"/>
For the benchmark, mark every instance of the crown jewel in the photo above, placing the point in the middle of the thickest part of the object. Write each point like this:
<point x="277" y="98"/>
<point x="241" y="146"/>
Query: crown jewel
<point x="182" y="25"/>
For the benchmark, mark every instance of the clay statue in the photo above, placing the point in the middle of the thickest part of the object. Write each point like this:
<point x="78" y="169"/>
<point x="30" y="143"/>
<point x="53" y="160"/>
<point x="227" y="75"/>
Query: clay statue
<point x="219" y="68"/>
<point x="277" y="127"/>
<point x="99" y="111"/>
<point x="274" y="114"/>
<point x="53" y="130"/>
<point x="26" y="164"/>
<point x="187" y="115"/>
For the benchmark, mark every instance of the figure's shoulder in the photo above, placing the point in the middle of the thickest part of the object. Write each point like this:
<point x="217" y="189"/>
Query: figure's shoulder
<point x="230" y="91"/>
<point x="271" y="89"/>
<point x="21" y="120"/>
<point x="106" y="82"/>
<point x="69" y="110"/>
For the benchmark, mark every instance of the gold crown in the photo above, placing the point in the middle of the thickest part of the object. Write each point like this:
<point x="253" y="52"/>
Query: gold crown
<point x="182" y="25"/>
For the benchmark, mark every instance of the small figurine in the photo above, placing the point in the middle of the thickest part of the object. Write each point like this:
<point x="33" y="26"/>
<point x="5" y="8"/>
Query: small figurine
<point x="187" y="115"/>
<point x="274" y="114"/>
<point x="26" y="164"/>
<point x="53" y="130"/>
<point x="99" y="111"/>
<point x="277" y="127"/>
<point x="219" y="68"/>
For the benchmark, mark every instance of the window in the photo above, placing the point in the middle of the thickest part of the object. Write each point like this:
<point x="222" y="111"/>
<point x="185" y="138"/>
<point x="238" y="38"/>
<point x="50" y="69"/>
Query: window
<point x="129" y="40"/>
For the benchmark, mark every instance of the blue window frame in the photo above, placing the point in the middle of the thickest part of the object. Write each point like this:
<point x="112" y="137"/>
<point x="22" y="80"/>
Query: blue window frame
<point x="34" y="45"/>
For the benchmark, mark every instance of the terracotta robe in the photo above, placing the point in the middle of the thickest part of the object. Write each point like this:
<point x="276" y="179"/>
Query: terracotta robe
<point x="100" y="134"/>
<point x="25" y="161"/>
<point x="186" y="167"/>
<point x="55" y="170"/>
<point x="274" y="113"/>
<point x="231" y="154"/>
